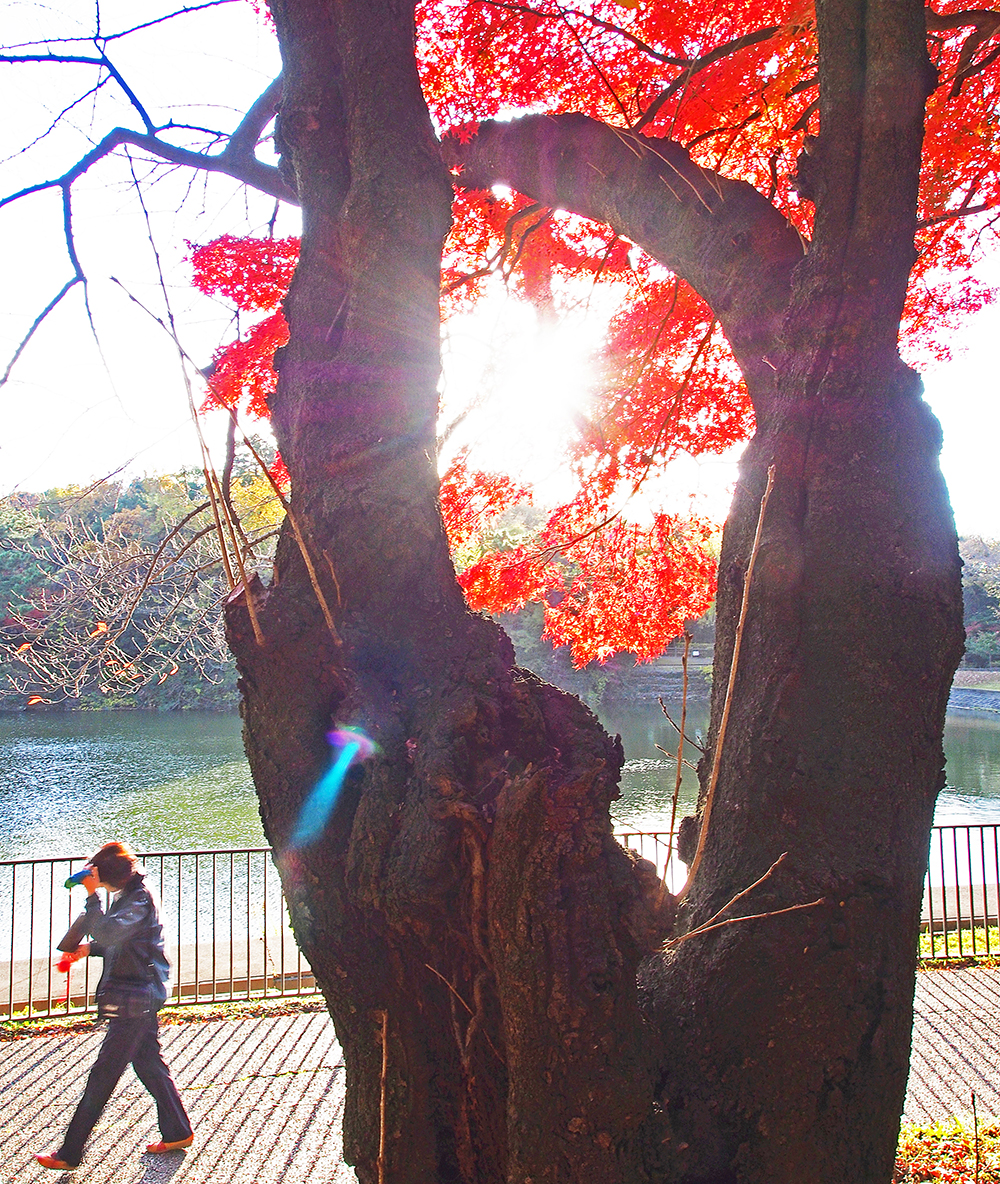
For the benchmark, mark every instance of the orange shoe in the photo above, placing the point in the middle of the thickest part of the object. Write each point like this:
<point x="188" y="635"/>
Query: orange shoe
<point x="56" y="1165"/>
<point x="177" y="1145"/>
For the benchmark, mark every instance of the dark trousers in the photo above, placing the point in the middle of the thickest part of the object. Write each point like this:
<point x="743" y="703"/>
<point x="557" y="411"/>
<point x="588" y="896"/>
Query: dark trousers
<point x="135" y="1041"/>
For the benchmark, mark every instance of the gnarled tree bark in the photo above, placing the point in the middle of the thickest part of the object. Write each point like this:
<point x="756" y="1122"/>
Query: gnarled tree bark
<point x="467" y="897"/>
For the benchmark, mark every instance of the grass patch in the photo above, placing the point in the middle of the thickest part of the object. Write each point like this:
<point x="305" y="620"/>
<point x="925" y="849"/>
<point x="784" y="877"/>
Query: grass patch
<point x="946" y="1151"/>
<point x="973" y="946"/>
<point x="192" y="1013"/>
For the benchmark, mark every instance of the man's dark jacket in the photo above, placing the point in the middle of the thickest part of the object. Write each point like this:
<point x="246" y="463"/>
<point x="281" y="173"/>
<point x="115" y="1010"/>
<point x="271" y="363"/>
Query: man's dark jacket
<point x="129" y="937"/>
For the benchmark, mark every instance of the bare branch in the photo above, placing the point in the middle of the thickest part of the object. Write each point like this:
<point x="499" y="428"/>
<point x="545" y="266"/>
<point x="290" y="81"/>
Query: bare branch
<point x="105" y="37"/>
<point x="62" y="59"/>
<point x="55" y="122"/>
<point x="36" y="325"/>
<point x="252" y="172"/>
<point x="101" y="62"/>
<point x="68" y="233"/>
<point x="132" y="96"/>
<point x="78" y="277"/>
<point x="676" y="727"/>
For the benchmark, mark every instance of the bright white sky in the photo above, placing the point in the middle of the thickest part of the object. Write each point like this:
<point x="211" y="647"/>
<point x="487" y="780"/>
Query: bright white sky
<point x="71" y="415"/>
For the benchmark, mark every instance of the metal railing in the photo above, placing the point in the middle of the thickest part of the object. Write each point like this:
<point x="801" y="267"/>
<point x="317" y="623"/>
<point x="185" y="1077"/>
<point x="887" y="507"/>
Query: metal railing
<point x="961" y="910"/>
<point x="960" y="914"/>
<point x="229" y="937"/>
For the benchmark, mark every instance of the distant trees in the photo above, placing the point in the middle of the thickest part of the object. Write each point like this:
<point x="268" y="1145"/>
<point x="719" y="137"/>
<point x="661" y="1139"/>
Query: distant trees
<point x="981" y="594"/>
<point x="112" y="595"/>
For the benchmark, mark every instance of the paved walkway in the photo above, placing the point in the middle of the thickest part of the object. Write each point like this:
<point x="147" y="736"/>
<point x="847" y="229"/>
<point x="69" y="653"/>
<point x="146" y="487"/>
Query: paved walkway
<point x="266" y="1095"/>
<point x="956" y="1045"/>
<point x="265" y="1098"/>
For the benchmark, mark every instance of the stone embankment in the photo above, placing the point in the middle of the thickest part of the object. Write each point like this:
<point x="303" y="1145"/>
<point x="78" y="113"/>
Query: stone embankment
<point x="646" y="684"/>
<point x="973" y="699"/>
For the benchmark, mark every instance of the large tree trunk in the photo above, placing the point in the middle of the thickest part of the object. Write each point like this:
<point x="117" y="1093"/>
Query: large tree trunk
<point x="475" y="928"/>
<point x="467" y="903"/>
<point x="789" y="1037"/>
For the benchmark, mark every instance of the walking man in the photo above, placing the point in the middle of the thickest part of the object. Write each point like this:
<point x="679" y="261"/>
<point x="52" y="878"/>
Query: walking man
<point x="129" y="937"/>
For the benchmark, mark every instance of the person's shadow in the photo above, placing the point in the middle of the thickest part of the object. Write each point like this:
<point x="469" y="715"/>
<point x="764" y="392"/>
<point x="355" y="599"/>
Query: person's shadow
<point x="157" y="1169"/>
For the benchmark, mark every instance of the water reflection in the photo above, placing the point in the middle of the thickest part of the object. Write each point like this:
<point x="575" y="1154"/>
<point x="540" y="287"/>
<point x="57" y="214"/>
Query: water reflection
<point x="159" y="781"/>
<point x="649" y="775"/>
<point x="180" y="781"/>
<point x="972" y="752"/>
<point x="972" y="748"/>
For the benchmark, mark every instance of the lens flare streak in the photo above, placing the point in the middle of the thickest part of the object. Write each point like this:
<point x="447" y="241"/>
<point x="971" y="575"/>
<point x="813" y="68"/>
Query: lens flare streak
<point x="319" y="805"/>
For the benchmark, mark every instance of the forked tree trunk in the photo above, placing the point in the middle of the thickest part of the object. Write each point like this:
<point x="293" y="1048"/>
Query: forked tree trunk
<point x="467" y="902"/>
<point x="475" y="928"/>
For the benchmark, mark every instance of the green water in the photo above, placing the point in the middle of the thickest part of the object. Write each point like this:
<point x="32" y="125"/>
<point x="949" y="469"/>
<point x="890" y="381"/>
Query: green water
<point x="162" y="782"/>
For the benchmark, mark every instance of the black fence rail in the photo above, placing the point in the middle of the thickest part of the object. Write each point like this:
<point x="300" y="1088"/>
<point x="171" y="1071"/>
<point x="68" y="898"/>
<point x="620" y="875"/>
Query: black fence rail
<point x="960" y="917"/>
<point x="960" y="913"/>
<point x="229" y="937"/>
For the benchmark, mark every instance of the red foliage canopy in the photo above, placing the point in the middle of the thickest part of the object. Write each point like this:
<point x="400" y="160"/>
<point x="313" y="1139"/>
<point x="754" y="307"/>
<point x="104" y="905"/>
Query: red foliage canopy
<point x="736" y="85"/>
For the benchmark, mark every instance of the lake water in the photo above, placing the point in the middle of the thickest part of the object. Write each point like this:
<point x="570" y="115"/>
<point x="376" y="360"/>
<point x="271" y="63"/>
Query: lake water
<point x="174" y="781"/>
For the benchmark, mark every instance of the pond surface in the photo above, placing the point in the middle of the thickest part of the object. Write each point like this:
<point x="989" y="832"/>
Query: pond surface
<point x="177" y="781"/>
<point x="158" y="780"/>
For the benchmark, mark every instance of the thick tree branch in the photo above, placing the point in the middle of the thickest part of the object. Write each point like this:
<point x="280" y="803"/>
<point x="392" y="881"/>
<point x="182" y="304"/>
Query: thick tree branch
<point x="722" y="236"/>
<point x="245" y="138"/>
<point x="985" y="24"/>
<point x="951" y="215"/>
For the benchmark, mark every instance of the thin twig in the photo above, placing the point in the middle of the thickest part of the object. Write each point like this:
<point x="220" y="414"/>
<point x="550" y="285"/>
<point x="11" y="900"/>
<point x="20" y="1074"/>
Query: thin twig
<point x="299" y="538"/>
<point x="792" y="908"/>
<point x="673" y="724"/>
<point x="734" y="664"/>
<point x="975" y="1130"/>
<point x="381" y="1105"/>
<point x="238" y="555"/>
<point x="739" y="895"/>
<point x="455" y="993"/>
<point x="450" y="987"/>
<point x="685" y="762"/>
<point x="680" y="747"/>
<point x="36" y="324"/>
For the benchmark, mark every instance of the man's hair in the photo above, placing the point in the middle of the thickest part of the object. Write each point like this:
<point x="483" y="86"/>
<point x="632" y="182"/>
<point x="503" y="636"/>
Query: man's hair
<point x="115" y="864"/>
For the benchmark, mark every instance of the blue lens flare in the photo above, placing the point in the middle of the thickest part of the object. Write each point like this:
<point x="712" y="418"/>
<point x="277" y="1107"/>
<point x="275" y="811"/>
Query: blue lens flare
<point x="349" y="745"/>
